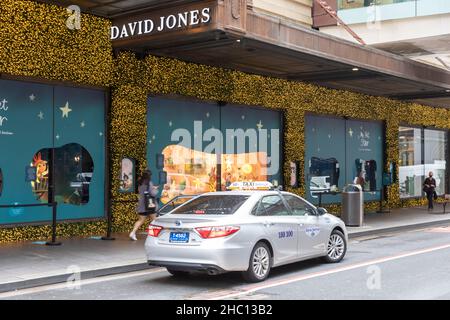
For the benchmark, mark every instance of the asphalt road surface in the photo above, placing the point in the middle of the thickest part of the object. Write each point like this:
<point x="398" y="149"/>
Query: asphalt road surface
<point x="405" y="265"/>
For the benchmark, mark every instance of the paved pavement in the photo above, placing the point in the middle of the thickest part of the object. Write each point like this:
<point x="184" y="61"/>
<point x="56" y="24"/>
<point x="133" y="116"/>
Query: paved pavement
<point x="400" y="219"/>
<point x="26" y="264"/>
<point x="406" y="265"/>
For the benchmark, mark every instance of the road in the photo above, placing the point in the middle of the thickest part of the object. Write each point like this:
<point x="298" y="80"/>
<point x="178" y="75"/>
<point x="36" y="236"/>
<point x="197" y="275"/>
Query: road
<point x="405" y="265"/>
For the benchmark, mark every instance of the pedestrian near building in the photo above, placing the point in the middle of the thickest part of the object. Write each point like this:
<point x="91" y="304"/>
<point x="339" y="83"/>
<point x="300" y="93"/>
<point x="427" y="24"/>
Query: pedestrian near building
<point x="429" y="187"/>
<point x="147" y="193"/>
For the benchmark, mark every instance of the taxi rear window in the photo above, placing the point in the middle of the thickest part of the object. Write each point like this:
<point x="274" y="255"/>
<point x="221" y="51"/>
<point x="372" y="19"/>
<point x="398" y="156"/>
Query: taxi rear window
<point x="214" y="204"/>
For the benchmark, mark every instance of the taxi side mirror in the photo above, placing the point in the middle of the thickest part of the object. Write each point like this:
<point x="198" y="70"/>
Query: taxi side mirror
<point x="321" y="211"/>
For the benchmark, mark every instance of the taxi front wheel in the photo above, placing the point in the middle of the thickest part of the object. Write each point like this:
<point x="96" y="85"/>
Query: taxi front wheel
<point x="259" y="264"/>
<point x="336" y="247"/>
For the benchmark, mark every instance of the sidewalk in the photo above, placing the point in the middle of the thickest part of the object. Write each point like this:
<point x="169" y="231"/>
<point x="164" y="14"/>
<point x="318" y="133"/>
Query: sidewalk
<point x="399" y="219"/>
<point x="25" y="265"/>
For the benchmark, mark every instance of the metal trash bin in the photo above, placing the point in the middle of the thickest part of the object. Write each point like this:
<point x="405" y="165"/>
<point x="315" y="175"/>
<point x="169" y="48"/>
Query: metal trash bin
<point x="352" y="205"/>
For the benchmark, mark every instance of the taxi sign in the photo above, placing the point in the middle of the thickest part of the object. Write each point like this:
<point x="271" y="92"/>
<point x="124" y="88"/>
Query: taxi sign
<point x="251" y="185"/>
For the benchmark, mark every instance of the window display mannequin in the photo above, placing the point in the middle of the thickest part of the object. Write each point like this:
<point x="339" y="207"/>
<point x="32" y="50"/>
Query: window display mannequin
<point x="366" y="173"/>
<point x="371" y="169"/>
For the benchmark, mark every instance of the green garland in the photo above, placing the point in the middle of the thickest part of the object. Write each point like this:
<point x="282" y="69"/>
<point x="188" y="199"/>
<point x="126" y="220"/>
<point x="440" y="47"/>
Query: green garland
<point x="35" y="42"/>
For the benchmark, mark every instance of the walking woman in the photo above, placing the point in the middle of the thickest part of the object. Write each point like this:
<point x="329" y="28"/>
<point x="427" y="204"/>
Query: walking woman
<point x="429" y="187"/>
<point x="146" y="189"/>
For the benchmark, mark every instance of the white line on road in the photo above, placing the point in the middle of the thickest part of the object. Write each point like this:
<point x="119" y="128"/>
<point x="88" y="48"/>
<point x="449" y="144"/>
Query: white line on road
<point x="275" y="283"/>
<point x="82" y="282"/>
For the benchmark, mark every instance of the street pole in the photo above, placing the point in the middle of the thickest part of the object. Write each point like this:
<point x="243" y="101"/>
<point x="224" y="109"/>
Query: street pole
<point x="51" y="198"/>
<point x="109" y="227"/>
<point x="54" y="211"/>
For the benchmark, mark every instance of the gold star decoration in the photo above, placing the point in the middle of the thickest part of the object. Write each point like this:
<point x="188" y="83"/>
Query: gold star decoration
<point x="65" y="110"/>
<point x="259" y="125"/>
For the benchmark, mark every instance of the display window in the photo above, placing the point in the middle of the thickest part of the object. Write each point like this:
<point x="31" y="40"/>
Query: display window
<point x="340" y="152"/>
<point x="51" y="129"/>
<point x="435" y="157"/>
<point x="206" y="147"/>
<point x="421" y="151"/>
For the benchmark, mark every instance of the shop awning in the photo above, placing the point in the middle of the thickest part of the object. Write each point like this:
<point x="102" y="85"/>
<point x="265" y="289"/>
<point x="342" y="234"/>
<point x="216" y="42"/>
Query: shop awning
<point x="237" y="37"/>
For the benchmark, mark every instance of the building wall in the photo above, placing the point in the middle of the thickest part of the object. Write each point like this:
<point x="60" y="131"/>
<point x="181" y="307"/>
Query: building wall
<point x="296" y="10"/>
<point x="35" y="43"/>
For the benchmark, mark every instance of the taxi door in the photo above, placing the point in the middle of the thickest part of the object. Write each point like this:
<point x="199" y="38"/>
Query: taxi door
<point x="312" y="234"/>
<point x="280" y="227"/>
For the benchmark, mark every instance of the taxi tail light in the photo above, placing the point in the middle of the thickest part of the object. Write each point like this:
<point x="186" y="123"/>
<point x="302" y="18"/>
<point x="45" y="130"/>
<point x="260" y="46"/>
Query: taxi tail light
<point x="216" y="232"/>
<point x="154" y="230"/>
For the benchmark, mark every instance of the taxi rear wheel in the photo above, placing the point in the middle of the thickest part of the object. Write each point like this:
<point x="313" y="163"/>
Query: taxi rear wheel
<point x="336" y="247"/>
<point x="259" y="264"/>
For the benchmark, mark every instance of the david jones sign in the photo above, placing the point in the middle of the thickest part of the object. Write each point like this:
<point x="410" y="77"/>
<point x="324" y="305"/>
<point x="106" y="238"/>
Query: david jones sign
<point x="174" y="21"/>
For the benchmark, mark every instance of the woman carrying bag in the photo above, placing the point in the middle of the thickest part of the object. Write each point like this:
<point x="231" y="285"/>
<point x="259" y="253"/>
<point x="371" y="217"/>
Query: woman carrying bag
<point x="147" y="204"/>
<point x="429" y="187"/>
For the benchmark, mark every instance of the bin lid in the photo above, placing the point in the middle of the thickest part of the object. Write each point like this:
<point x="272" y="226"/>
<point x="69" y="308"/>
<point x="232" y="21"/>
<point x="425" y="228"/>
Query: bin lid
<point x="352" y="188"/>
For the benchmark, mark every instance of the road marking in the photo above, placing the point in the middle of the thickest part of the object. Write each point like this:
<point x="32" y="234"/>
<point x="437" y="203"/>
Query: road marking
<point x="275" y="283"/>
<point x="64" y="285"/>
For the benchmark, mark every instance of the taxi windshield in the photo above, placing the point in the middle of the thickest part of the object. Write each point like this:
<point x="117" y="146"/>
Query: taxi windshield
<point x="212" y="204"/>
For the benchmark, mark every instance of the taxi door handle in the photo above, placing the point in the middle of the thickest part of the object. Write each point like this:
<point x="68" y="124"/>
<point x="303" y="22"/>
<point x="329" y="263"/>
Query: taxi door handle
<point x="268" y="224"/>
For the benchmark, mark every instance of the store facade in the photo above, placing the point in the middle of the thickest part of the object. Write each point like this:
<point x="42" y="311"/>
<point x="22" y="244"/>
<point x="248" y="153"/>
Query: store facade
<point x="197" y="127"/>
<point x="322" y="131"/>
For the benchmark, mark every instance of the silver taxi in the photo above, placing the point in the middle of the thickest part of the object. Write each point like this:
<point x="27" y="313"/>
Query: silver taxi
<point x="247" y="231"/>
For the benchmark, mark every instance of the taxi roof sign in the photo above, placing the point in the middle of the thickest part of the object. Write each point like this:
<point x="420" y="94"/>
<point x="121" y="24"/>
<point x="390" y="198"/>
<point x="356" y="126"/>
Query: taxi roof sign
<point x="251" y="185"/>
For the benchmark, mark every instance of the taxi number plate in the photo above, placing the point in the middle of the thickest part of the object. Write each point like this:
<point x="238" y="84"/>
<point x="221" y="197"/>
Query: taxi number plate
<point x="179" y="237"/>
